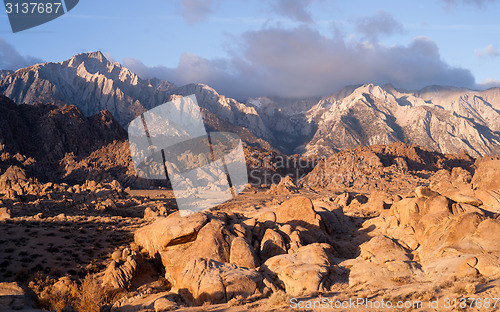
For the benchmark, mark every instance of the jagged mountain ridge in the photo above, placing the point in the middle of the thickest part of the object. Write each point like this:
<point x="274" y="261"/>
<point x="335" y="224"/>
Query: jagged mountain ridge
<point x="443" y="119"/>
<point x="5" y="73"/>
<point x="52" y="143"/>
<point x="92" y="83"/>
<point x="88" y="81"/>
<point x="59" y="144"/>
<point x="440" y="118"/>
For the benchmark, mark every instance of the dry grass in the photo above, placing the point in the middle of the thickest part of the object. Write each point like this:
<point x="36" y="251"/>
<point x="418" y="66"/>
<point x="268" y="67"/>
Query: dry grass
<point x="91" y="295"/>
<point x="49" y="299"/>
<point x="425" y="296"/>
<point x="279" y="298"/>
<point x="401" y="280"/>
<point x="236" y="301"/>
<point x="460" y="289"/>
<point x="446" y="285"/>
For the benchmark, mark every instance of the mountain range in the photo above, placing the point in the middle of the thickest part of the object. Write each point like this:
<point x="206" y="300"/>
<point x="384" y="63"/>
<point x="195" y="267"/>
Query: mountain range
<point x="444" y="119"/>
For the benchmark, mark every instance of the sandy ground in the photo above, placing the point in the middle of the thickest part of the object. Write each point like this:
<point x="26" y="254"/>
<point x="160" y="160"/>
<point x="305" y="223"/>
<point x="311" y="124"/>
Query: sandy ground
<point x="79" y="242"/>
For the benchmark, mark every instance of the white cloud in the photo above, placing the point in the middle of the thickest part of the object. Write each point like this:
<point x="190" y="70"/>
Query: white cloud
<point x="381" y="23"/>
<point x="488" y="83"/>
<point x="488" y="51"/>
<point x="11" y="59"/>
<point x="302" y="62"/>
<point x="294" y="9"/>
<point x="196" y="10"/>
<point x="478" y="3"/>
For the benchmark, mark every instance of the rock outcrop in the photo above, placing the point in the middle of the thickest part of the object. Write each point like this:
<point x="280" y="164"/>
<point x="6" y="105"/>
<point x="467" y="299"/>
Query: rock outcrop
<point x="305" y="271"/>
<point x="14" y="297"/>
<point x="214" y="257"/>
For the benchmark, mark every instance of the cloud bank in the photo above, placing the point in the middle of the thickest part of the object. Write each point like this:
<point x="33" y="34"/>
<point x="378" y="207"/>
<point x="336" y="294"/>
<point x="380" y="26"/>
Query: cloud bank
<point x="293" y="9"/>
<point x="382" y="23"/>
<point x="301" y="62"/>
<point x="488" y="83"/>
<point x="196" y="10"/>
<point x="478" y="3"/>
<point x="488" y="51"/>
<point x="12" y="60"/>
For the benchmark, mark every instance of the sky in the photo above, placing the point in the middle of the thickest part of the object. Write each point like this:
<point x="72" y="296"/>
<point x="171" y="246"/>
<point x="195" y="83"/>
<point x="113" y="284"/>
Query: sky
<point x="288" y="48"/>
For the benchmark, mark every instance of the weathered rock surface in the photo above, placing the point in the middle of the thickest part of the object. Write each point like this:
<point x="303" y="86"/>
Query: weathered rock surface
<point x="303" y="272"/>
<point x="272" y="244"/>
<point x="170" y="231"/>
<point x="286" y="186"/>
<point x="487" y="175"/>
<point x="4" y="213"/>
<point x="242" y="254"/>
<point x="122" y="269"/>
<point x="13" y="297"/>
<point x="160" y="302"/>
<point x="298" y="211"/>
<point x="206" y="280"/>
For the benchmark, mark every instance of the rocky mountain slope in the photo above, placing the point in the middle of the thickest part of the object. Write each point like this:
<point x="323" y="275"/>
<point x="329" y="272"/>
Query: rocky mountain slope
<point x="59" y="144"/>
<point x="444" y="119"/>
<point x="92" y="83"/>
<point x="5" y="73"/>
<point x="49" y="143"/>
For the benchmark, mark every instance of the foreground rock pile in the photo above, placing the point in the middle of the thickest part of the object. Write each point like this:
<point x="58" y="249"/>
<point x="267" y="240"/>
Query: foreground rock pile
<point x="415" y="220"/>
<point x="391" y="167"/>
<point x="26" y="196"/>
<point x="301" y="247"/>
<point x="215" y="257"/>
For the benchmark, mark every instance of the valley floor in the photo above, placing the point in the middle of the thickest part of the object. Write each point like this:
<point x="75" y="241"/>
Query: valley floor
<point x="66" y="240"/>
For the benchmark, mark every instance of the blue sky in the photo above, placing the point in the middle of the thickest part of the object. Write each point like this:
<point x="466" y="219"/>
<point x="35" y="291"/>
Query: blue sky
<point x="291" y="48"/>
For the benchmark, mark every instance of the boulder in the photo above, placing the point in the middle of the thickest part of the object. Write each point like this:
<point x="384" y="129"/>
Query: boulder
<point x="267" y="216"/>
<point x="383" y="249"/>
<point x="4" y="213"/>
<point x="149" y="213"/>
<point x="486" y="236"/>
<point x="115" y="185"/>
<point x="13" y="297"/>
<point x="435" y="204"/>
<point x="440" y="232"/>
<point x="423" y="191"/>
<point x="209" y="281"/>
<point x="407" y="211"/>
<point x="159" y="302"/>
<point x="466" y="199"/>
<point x="241" y="231"/>
<point x="335" y="220"/>
<point x="272" y="244"/>
<point x="286" y="186"/>
<point x="164" y="304"/>
<point x="64" y="286"/>
<point x="242" y="254"/>
<point x="343" y="199"/>
<point x="382" y="262"/>
<point x="298" y="210"/>
<point x="487" y="175"/>
<point x="212" y="242"/>
<point x="489" y="198"/>
<point x="295" y="241"/>
<point x="303" y="272"/>
<point x="169" y="231"/>
<point x="358" y="200"/>
<point x="120" y="273"/>
<point x="489" y="265"/>
<point x="377" y="196"/>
